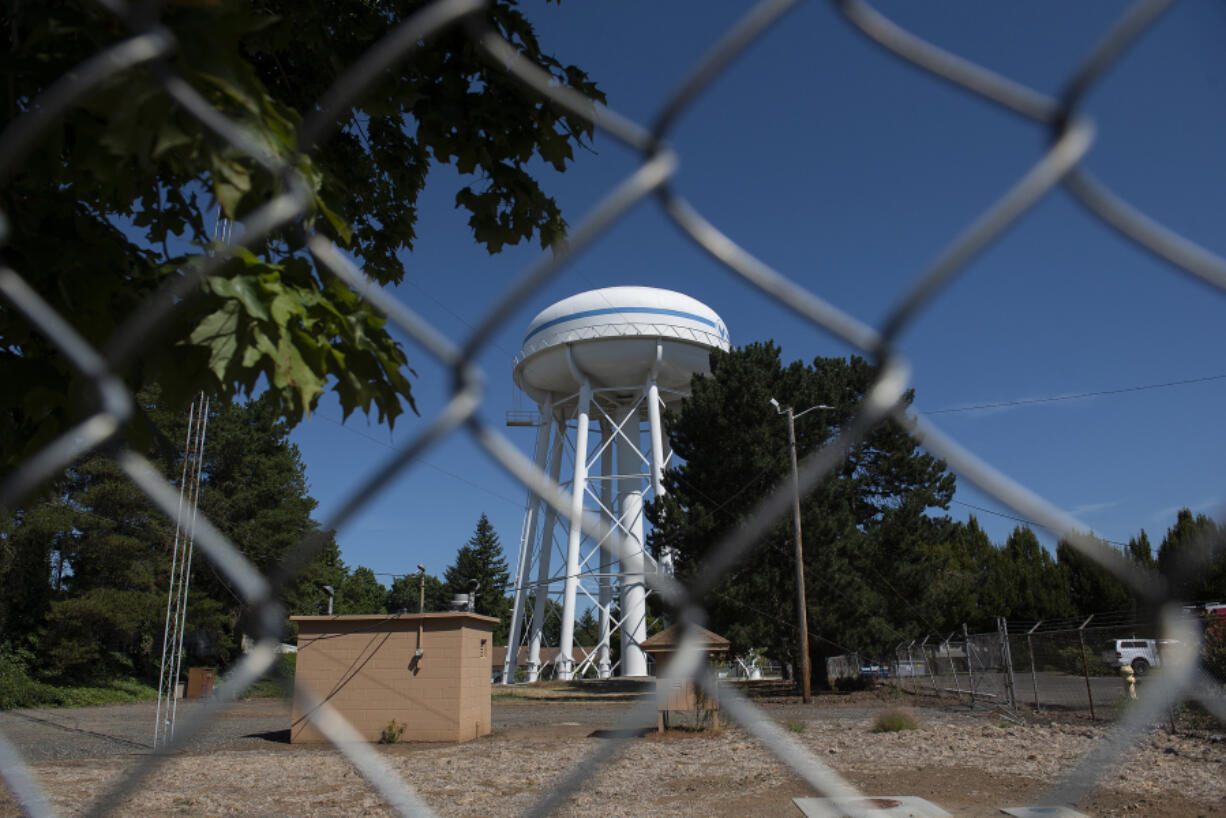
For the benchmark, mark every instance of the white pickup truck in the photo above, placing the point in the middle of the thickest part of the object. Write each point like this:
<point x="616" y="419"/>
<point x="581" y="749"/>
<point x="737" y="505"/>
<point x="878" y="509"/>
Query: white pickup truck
<point x="1142" y="654"/>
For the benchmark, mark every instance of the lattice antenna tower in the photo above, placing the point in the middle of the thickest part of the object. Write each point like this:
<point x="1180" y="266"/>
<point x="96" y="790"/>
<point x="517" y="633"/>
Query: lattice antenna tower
<point x="180" y="571"/>
<point x="601" y="366"/>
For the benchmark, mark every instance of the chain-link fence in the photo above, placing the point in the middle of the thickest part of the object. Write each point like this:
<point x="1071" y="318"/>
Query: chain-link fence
<point x="101" y="366"/>
<point x="1045" y="667"/>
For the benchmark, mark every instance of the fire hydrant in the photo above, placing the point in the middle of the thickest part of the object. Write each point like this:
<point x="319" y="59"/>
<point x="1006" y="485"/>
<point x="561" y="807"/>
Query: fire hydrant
<point x="1130" y="681"/>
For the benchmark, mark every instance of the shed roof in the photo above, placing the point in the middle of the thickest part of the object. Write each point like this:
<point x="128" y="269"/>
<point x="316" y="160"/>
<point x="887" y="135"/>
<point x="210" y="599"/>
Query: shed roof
<point x="669" y="638"/>
<point x="401" y="617"/>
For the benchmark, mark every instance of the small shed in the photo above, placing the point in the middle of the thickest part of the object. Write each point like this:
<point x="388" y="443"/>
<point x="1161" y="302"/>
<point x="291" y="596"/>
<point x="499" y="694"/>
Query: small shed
<point x="683" y="695"/>
<point x="428" y="672"/>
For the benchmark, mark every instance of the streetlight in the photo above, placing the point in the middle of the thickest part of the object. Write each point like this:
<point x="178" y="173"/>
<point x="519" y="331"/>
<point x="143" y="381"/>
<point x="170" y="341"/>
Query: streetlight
<point x="806" y="694"/>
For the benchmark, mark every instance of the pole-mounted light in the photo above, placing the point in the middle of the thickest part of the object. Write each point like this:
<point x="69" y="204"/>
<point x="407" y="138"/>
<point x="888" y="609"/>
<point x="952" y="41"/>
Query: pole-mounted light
<point x="802" y="619"/>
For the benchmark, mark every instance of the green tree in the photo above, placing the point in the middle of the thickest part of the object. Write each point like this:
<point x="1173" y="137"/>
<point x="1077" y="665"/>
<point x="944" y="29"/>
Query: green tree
<point x="1092" y="588"/>
<point x="1141" y="552"/>
<point x="1192" y="558"/>
<point x="361" y="593"/>
<point x="105" y="553"/>
<point x="963" y="578"/>
<point x="1036" y="586"/>
<point x="481" y="560"/>
<point x="587" y="629"/>
<point x="862" y="527"/>
<point x="128" y="184"/>
<point x="404" y="595"/>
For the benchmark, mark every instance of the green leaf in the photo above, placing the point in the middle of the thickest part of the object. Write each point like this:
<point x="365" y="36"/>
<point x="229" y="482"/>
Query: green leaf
<point x="219" y="333"/>
<point x="244" y="288"/>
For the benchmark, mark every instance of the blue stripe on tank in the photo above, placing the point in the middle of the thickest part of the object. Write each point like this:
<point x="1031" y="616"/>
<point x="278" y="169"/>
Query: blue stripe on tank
<point x="621" y="310"/>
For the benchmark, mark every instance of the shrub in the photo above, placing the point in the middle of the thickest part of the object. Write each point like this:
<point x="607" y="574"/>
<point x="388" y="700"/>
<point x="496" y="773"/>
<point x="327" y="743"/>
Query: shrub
<point x="851" y="684"/>
<point x="892" y="721"/>
<point x="17" y="689"/>
<point x="391" y="732"/>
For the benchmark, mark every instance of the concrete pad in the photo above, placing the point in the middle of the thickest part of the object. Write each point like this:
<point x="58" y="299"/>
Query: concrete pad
<point x="1043" y="812"/>
<point x="886" y="806"/>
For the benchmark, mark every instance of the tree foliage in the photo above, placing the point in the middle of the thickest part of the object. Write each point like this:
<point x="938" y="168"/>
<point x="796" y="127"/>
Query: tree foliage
<point x="91" y="559"/>
<point x="481" y="560"/>
<point x="863" y="529"/>
<point x="883" y="564"/>
<point x="405" y="594"/>
<point x="129" y="184"/>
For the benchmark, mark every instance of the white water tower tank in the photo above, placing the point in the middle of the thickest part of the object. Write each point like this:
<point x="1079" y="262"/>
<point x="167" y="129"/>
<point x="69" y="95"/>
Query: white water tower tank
<point x="613" y="334"/>
<point x="598" y="365"/>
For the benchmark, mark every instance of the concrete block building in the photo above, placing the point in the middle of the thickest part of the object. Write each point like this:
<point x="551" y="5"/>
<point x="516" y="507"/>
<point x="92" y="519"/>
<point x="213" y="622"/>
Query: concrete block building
<point x="429" y="672"/>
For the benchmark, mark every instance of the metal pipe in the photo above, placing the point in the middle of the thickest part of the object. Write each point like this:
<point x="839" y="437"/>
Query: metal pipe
<point x="634" y="592"/>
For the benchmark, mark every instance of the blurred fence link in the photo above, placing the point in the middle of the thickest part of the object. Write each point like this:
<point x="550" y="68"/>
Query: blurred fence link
<point x="969" y="666"/>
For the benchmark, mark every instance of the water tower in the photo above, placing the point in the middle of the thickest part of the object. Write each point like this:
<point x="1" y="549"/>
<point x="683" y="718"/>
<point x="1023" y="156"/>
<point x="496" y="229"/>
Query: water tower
<point x="600" y="365"/>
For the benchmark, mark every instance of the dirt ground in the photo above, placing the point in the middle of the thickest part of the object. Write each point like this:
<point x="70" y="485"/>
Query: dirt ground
<point x="969" y="763"/>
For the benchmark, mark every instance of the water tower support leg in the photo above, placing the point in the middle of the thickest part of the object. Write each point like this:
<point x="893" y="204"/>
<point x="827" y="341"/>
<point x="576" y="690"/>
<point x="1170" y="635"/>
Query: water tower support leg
<point x="566" y="656"/>
<point x="544" y="556"/>
<point x="532" y="514"/>
<point x="606" y="556"/>
<point x="634" y="594"/>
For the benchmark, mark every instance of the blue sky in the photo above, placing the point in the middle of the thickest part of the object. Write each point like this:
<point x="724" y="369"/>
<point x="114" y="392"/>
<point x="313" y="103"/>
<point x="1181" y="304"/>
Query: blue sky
<point x="849" y="171"/>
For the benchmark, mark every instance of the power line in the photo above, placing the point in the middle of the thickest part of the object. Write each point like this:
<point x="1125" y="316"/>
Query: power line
<point x="1078" y="396"/>
<point x="439" y="469"/>
<point x="1030" y="522"/>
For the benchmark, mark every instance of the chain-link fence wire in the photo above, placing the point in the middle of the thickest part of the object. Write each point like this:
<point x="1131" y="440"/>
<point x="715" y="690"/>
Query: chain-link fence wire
<point x="973" y="669"/>
<point x="1071" y="135"/>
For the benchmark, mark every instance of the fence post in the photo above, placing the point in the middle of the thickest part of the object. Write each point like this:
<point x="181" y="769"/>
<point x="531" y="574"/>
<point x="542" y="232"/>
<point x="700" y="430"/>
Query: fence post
<point x="953" y="667"/>
<point x="911" y="668"/>
<point x="970" y="662"/>
<point x="1007" y="656"/>
<point x="931" y="672"/>
<point x="1085" y="664"/>
<point x="1034" y="676"/>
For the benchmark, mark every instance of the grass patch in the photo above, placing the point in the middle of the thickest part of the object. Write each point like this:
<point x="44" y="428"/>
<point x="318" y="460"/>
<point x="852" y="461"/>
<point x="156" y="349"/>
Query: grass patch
<point x="576" y="690"/>
<point x="796" y="726"/>
<point x="892" y="721"/>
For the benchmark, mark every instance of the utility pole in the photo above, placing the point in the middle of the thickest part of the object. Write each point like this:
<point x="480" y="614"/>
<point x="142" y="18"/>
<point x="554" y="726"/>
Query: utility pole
<point x="802" y="620"/>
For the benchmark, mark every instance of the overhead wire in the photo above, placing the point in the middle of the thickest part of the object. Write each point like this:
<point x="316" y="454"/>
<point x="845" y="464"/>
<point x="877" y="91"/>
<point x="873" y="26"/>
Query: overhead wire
<point x="1077" y="396"/>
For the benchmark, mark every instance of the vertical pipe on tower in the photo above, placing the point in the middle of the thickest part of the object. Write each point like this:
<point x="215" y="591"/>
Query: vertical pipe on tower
<point x="532" y="515"/>
<point x="634" y="594"/>
<point x="604" y="667"/>
<point x="566" y="656"/>
<point x="655" y="431"/>
<point x="546" y="552"/>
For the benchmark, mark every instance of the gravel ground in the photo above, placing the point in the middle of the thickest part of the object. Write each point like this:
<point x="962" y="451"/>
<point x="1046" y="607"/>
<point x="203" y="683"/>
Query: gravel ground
<point x="969" y="763"/>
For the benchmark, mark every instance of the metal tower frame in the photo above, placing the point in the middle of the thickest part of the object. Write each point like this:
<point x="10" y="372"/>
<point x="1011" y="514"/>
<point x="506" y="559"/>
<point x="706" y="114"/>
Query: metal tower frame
<point x="613" y="471"/>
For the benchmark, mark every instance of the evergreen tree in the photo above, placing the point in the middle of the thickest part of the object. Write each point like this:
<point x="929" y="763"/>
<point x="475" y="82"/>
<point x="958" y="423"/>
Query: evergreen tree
<point x="1035" y="586"/>
<point x="96" y="553"/>
<point x="481" y="560"/>
<point x="864" y="527"/>
<point x="587" y="629"/>
<point x="1092" y="588"/>
<point x="1192" y="558"/>
<point x="1141" y="552"/>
